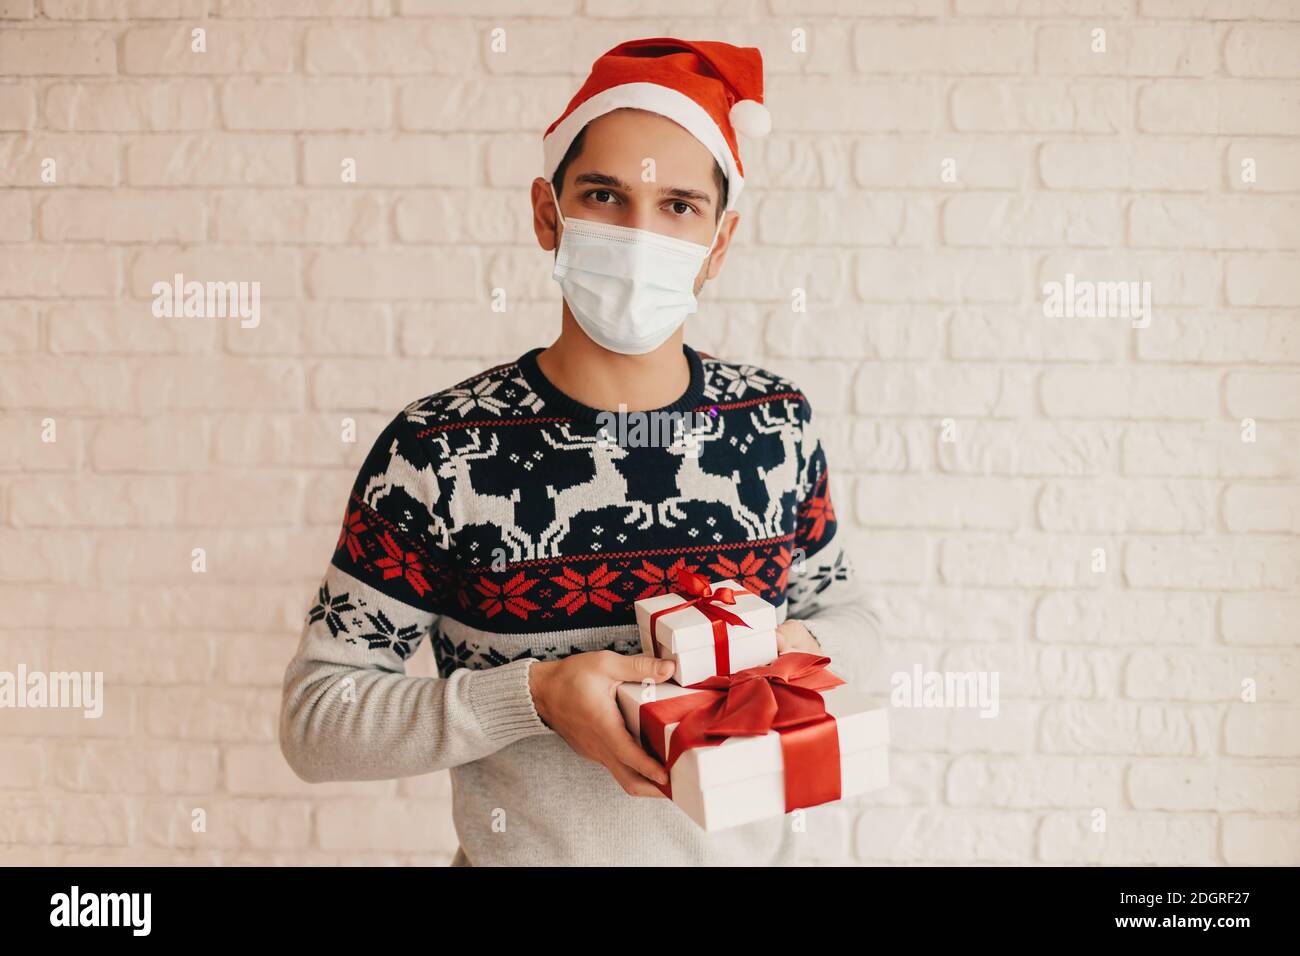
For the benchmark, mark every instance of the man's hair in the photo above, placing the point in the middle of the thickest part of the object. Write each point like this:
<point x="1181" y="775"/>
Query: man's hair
<point x="719" y="177"/>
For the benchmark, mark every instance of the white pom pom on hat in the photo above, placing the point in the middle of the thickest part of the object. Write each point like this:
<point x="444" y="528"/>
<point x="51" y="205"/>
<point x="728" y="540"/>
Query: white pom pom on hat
<point x="750" y="118"/>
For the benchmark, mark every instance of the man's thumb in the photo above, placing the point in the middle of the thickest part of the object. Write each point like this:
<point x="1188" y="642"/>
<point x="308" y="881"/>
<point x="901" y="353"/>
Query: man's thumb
<point x="639" y="667"/>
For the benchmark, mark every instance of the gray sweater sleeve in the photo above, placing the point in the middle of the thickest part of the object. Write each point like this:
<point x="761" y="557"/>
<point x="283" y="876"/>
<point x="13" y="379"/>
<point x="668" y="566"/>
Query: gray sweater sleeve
<point x="824" y="591"/>
<point x="348" y="710"/>
<point x="833" y="603"/>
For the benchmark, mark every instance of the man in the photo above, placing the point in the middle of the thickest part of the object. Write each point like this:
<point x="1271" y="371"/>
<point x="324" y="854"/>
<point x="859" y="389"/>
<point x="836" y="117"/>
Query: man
<point x="508" y="518"/>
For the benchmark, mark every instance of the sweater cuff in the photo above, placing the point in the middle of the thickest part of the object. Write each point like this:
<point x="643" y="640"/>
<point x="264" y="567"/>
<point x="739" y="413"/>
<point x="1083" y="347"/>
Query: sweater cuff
<point x="503" y="702"/>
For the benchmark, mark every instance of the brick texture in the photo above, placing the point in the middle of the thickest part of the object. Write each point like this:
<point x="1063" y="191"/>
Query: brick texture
<point x="1102" y="509"/>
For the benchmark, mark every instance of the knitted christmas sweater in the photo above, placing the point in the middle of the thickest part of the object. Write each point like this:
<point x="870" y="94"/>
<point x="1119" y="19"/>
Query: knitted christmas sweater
<point x="510" y="523"/>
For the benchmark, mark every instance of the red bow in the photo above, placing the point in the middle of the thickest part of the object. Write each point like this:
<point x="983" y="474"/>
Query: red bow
<point x="701" y="595"/>
<point x="783" y="696"/>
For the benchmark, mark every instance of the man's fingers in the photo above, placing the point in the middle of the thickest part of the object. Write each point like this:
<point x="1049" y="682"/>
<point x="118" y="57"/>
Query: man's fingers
<point x="633" y="783"/>
<point x="627" y="751"/>
<point x="636" y="770"/>
<point x="637" y="667"/>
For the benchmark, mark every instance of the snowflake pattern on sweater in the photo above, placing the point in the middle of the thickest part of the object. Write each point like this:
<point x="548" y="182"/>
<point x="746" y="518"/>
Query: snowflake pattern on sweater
<point x="501" y="504"/>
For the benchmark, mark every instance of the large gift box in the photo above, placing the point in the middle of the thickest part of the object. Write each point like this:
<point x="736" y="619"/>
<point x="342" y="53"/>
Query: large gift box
<point x="707" y="629"/>
<point x="761" y="743"/>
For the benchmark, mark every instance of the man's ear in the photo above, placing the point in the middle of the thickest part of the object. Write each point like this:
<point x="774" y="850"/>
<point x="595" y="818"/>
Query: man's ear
<point x="723" y="245"/>
<point x="546" y="219"/>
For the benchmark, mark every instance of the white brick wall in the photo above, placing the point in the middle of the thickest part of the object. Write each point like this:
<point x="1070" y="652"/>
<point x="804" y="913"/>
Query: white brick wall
<point x="1120" y="687"/>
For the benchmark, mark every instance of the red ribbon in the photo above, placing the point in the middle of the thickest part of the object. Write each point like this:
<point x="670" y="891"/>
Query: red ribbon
<point x="783" y="696"/>
<point x="701" y="595"/>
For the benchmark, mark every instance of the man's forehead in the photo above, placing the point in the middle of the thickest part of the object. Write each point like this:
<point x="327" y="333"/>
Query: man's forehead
<point x="632" y="136"/>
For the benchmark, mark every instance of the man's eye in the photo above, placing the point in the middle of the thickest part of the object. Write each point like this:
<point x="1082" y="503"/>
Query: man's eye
<point x="682" y="208"/>
<point x="600" y="195"/>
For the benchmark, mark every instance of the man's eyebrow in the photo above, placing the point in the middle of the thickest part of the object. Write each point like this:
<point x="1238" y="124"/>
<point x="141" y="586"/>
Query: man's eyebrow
<point x="677" y="192"/>
<point x="613" y="182"/>
<point x="602" y="179"/>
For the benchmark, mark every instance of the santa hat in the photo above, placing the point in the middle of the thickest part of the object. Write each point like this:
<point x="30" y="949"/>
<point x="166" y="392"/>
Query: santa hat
<point x="713" y="90"/>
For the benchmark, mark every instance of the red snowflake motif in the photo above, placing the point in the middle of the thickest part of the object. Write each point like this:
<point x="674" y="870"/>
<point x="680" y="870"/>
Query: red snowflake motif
<point x="746" y="572"/>
<point x="350" y="534"/>
<point x="658" y="580"/>
<point x="402" y="564"/>
<point x="507" y="597"/>
<point x="782" y="561"/>
<point x="819" y="512"/>
<point x="593" y="588"/>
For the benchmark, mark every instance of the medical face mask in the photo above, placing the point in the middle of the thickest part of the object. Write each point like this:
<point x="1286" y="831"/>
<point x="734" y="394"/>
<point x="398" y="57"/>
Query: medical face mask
<point x="628" y="289"/>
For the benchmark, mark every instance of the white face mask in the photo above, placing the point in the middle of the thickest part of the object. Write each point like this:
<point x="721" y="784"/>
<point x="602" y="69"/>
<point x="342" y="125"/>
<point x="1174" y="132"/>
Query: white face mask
<point x="628" y="289"/>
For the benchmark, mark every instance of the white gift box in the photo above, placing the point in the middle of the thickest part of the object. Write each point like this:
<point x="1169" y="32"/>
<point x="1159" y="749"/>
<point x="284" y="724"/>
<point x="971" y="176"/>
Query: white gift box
<point x="686" y="636"/>
<point x="742" y="779"/>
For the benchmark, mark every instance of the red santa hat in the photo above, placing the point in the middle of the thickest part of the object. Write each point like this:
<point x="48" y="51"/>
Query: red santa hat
<point x="713" y="90"/>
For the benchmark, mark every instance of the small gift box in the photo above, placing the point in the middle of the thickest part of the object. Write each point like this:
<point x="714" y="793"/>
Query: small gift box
<point x="707" y="629"/>
<point x="761" y="743"/>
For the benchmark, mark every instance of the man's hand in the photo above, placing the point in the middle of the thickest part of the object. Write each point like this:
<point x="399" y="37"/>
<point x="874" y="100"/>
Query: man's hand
<point x="575" y="698"/>
<point x="793" y="636"/>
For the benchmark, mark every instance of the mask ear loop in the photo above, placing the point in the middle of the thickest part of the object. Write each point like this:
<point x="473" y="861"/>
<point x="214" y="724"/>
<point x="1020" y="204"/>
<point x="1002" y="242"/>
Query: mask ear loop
<point x="716" y="232"/>
<point x="557" y="204"/>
